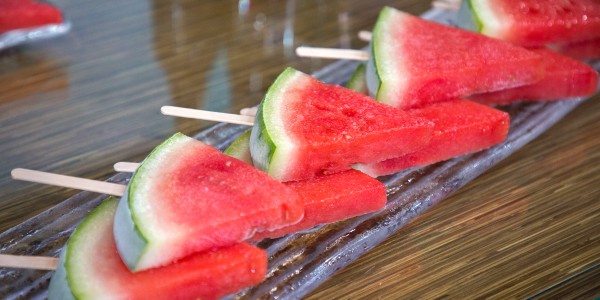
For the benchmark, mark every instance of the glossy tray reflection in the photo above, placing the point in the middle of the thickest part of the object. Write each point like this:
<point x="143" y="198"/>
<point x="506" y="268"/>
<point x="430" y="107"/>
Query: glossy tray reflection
<point x="300" y="262"/>
<point x="21" y="36"/>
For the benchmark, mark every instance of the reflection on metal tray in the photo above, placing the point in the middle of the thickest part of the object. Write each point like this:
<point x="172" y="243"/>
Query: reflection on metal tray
<point x="299" y="262"/>
<point x="21" y="36"/>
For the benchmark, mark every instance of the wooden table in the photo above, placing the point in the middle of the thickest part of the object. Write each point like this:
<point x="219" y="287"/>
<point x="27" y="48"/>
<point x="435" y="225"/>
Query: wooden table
<point x="79" y="103"/>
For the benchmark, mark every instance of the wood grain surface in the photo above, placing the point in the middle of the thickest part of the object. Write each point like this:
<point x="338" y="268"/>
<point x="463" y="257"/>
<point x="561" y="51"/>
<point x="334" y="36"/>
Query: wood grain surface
<point x="79" y="103"/>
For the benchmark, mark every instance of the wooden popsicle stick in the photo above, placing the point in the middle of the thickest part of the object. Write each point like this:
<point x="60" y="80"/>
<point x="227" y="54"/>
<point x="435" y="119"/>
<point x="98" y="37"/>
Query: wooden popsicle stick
<point x="28" y="262"/>
<point x="365" y="36"/>
<point x="50" y="263"/>
<point x="453" y="5"/>
<point x="102" y="187"/>
<point x="249" y="111"/>
<point x="332" y="53"/>
<point x="206" y="115"/>
<point x="126" y="167"/>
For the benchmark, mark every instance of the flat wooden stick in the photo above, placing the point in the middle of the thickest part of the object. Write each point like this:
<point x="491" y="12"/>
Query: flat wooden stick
<point x="127" y="167"/>
<point x="206" y="115"/>
<point x="453" y="5"/>
<point x="69" y="181"/>
<point x="332" y="53"/>
<point x="365" y="36"/>
<point x="249" y="111"/>
<point x="28" y="262"/>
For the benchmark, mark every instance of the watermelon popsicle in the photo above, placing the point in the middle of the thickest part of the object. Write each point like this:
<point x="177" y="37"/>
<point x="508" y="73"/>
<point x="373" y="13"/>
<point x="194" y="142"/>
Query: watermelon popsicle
<point x="532" y="22"/>
<point x="327" y="198"/>
<point x="90" y="268"/>
<point x="415" y="62"/>
<point x="461" y="127"/>
<point x="24" y="14"/>
<point x="589" y="49"/>
<point x="188" y="197"/>
<point x="565" y="78"/>
<point x="305" y="128"/>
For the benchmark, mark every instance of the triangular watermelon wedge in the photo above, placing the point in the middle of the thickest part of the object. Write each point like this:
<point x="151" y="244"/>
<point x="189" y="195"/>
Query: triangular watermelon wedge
<point x="461" y="127"/>
<point x="188" y="197"/>
<point x="333" y="198"/>
<point x="565" y="78"/>
<point x="533" y="23"/>
<point x="23" y="14"/>
<point x="583" y="50"/>
<point x="326" y="198"/>
<point x="415" y="62"/>
<point x="90" y="268"/>
<point x="306" y="128"/>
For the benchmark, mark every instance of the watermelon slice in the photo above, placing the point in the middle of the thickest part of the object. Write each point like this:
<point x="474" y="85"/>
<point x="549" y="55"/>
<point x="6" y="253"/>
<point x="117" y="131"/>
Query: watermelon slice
<point x="415" y="62"/>
<point x="533" y="22"/>
<point x="90" y="268"/>
<point x="589" y="49"/>
<point x="188" y="197"/>
<point x="306" y="128"/>
<point x="358" y="81"/>
<point x="461" y="127"/>
<point x="326" y="198"/>
<point x="565" y="78"/>
<point x="332" y="198"/>
<point x="22" y="14"/>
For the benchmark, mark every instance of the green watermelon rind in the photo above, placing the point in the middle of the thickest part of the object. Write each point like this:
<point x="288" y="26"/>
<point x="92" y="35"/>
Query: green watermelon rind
<point x="373" y="74"/>
<point x="240" y="147"/>
<point x="480" y="16"/>
<point x="358" y="81"/>
<point x="132" y="241"/>
<point x="270" y="148"/>
<point x="382" y="61"/>
<point x="64" y="282"/>
<point x="468" y="18"/>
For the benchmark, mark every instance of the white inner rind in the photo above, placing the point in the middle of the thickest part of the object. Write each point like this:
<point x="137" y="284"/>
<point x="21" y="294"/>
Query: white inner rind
<point x="148" y="240"/>
<point x="129" y="242"/>
<point x="275" y="113"/>
<point x="77" y="275"/>
<point x="59" y="286"/>
<point x="492" y="24"/>
<point x="389" y="58"/>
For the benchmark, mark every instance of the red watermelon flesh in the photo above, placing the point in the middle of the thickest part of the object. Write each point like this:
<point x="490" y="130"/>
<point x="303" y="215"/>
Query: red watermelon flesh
<point x="188" y="197"/>
<point x="589" y="49"/>
<point x="91" y="268"/>
<point x="565" y="78"/>
<point x="305" y="128"/>
<point x="537" y="22"/>
<point x="415" y="62"/>
<point x="332" y="198"/>
<point x="461" y="127"/>
<point x="21" y="14"/>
